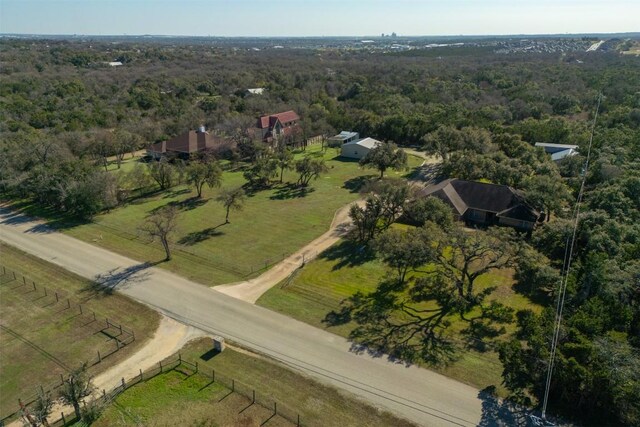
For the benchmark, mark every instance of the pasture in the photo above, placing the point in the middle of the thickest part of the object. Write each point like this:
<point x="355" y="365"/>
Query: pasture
<point x="44" y="334"/>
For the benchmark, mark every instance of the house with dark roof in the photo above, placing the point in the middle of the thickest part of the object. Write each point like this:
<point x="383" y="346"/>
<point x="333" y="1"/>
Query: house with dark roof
<point x="279" y="127"/>
<point x="184" y="145"/>
<point x="485" y="204"/>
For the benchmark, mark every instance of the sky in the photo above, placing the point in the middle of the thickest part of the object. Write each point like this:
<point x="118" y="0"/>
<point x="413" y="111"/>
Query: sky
<point x="317" y="18"/>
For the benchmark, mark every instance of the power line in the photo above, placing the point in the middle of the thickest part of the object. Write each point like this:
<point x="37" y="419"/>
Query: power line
<point x="570" y="246"/>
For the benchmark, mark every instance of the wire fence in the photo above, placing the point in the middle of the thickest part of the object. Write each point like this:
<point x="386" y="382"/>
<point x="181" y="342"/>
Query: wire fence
<point x="85" y="324"/>
<point x="103" y="398"/>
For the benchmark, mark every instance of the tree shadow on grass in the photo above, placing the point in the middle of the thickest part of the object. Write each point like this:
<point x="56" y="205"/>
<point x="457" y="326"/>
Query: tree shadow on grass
<point x="433" y="348"/>
<point x="291" y="191"/>
<point x="118" y="278"/>
<point x="389" y="325"/>
<point x="251" y="189"/>
<point x="539" y="297"/>
<point x="200" y="236"/>
<point x="175" y="193"/>
<point x="354" y="185"/>
<point x="24" y="212"/>
<point x="183" y="205"/>
<point x="348" y="254"/>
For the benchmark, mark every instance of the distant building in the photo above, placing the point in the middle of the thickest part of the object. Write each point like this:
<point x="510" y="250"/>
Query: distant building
<point x="183" y="145"/>
<point x="255" y="91"/>
<point x="279" y="127"/>
<point x="558" y="151"/>
<point x="359" y="148"/>
<point x="114" y="63"/>
<point x="485" y="204"/>
<point x="345" y="136"/>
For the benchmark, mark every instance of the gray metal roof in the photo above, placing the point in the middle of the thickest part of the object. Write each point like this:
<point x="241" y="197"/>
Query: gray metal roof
<point x="345" y="135"/>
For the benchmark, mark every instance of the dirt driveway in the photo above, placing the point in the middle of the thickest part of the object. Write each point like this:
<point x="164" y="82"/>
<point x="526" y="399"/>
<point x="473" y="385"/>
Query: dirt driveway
<point x="253" y="289"/>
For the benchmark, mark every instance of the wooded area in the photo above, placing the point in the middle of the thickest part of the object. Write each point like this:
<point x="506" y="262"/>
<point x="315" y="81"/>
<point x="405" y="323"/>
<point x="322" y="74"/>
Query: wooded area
<point x="64" y="115"/>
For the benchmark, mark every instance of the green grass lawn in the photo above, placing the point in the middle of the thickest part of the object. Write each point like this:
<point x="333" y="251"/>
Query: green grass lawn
<point x="322" y="284"/>
<point x="41" y="338"/>
<point x="274" y="223"/>
<point x="178" y="399"/>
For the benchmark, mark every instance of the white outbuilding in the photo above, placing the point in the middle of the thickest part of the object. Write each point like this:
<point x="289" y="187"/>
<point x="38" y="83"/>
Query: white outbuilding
<point x="359" y="149"/>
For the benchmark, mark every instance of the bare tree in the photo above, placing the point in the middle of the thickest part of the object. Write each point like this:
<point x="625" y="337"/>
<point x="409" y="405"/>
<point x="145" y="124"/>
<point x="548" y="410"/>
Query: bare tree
<point x="231" y="199"/>
<point x="161" y="224"/>
<point x="42" y="407"/>
<point x="76" y="387"/>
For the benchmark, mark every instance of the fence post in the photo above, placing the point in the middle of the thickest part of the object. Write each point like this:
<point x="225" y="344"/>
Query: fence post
<point x="80" y="305"/>
<point x="196" y="366"/>
<point x="120" y="327"/>
<point x="68" y="303"/>
<point x="45" y="292"/>
<point x="99" y="358"/>
<point x="275" y="408"/>
<point x="140" y="374"/>
<point x="179" y="359"/>
<point x="34" y="285"/>
<point x="104" y="395"/>
<point x="14" y="275"/>
<point x="160" y="362"/>
<point x="94" y="316"/>
<point x="107" y="322"/>
<point x="117" y="343"/>
<point x="213" y="375"/>
<point x="123" y="383"/>
<point x="253" y="400"/>
<point x="24" y="281"/>
<point x="298" y="424"/>
<point x="233" y="385"/>
<point x="133" y="335"/>
<point x="64" y="421"/>
<point x="57" y="299"/>
<point x="61" y="379"/>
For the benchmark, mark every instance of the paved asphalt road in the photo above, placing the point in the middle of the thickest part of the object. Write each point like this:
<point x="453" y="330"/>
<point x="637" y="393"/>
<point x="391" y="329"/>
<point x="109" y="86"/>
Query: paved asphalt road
<point x="416" y="394"/>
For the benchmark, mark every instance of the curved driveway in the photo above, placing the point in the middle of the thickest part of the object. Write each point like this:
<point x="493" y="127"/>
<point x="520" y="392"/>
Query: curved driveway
<point x="416" y="394"/>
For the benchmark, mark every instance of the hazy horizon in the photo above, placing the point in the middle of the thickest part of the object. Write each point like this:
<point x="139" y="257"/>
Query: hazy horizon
<point x="314" y="18"/>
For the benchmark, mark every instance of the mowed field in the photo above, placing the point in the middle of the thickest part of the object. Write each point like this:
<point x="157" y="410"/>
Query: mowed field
<point x="183" y="398"/>
<point x="274" y="222"/>
<point x="41" y="339"/>
<point x="320" y="287"/>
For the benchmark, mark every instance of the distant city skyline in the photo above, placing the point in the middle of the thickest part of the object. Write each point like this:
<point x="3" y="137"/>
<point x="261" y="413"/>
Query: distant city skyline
<point x="269" y="18"/>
